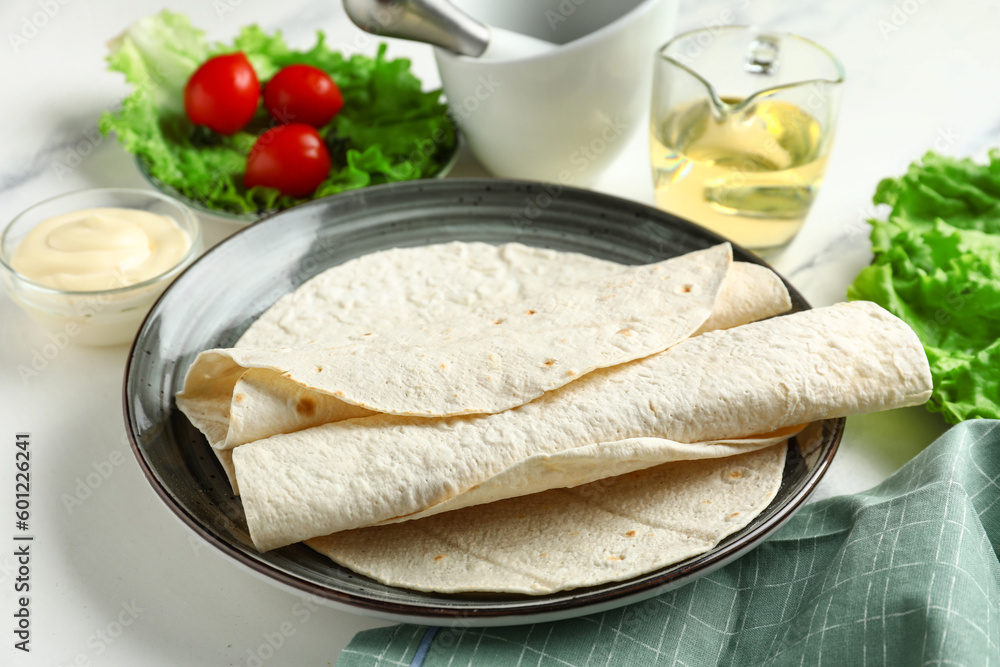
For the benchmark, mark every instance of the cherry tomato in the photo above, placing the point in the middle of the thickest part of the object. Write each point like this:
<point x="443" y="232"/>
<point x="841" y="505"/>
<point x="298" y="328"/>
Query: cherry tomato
<point x="291" y="158"/>
<point x="222" y="93"/>
<point x="302" y="94"/>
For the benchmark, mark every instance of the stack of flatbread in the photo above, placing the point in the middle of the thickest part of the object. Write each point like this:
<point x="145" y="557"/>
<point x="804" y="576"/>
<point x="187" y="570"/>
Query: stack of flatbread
<point x="469" y="417"/>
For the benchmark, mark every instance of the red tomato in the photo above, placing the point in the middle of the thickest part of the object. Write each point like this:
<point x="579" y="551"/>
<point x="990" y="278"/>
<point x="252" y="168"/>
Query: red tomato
<point x="302" y="94"/>
<point x="291" y="158"/>
<point x="222" y="93"/>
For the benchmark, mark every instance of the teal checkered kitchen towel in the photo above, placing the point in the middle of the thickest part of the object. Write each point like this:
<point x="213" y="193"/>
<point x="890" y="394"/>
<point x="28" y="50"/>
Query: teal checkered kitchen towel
<point x="903" y="574"/>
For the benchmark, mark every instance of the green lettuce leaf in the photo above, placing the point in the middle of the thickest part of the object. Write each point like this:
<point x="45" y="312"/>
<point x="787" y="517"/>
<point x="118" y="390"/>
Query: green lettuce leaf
<point x="389" y="129"/>
<point x="937" y="266"/>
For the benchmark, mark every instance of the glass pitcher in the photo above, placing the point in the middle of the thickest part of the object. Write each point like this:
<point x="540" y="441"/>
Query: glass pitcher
<point x="742" y="123"/>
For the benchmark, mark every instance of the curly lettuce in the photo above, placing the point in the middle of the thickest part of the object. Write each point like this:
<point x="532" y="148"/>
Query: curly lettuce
<point x="389" y="129"/>
<point x="937" y="266"/>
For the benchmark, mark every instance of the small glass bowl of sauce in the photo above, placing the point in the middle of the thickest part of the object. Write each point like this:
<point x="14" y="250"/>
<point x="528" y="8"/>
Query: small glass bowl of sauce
<point x="88" y="265"/>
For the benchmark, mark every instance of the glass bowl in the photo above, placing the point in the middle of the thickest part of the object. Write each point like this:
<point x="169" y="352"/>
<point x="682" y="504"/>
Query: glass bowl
<point x="93" y="317"/>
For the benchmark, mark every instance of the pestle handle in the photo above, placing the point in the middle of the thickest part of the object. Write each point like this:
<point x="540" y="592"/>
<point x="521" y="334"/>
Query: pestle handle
<point x="436" y="22"/>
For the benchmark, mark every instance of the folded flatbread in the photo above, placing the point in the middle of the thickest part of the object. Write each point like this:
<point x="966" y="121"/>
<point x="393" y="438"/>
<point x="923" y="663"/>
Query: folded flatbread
<point x="609" y="530"/>
<point x="369" y="325"/>
<point x="653" y="433"/>
<point x="684" y="403"/>
<point x="487" y="362"/>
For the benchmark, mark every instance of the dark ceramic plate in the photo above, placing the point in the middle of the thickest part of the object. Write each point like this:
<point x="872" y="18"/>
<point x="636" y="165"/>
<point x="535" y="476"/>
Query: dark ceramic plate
<point x="216" y="299"/>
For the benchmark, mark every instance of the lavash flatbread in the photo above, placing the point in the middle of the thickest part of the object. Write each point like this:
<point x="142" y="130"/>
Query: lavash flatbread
<point x="543" y="537"/>
<point x="378" y="292"/>
<point x="407" y="287"/>
<point x="488" y="362"/>
<point x="382" y="290"/>
<point x="752" y="379"/>
<point x="610" y="530"/>
<point x="233" y="405"/>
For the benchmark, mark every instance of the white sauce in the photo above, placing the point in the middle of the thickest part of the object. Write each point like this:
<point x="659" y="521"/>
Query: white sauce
<point x="100" y="248"/>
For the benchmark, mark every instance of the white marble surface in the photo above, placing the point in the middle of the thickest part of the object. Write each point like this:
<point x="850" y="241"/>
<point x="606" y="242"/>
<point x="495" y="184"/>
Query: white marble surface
<point x="115" y="579"/>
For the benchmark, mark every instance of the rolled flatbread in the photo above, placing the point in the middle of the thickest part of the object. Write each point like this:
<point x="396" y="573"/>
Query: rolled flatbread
<point x="682" y="403"/>
<point x="412" y="288"/>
